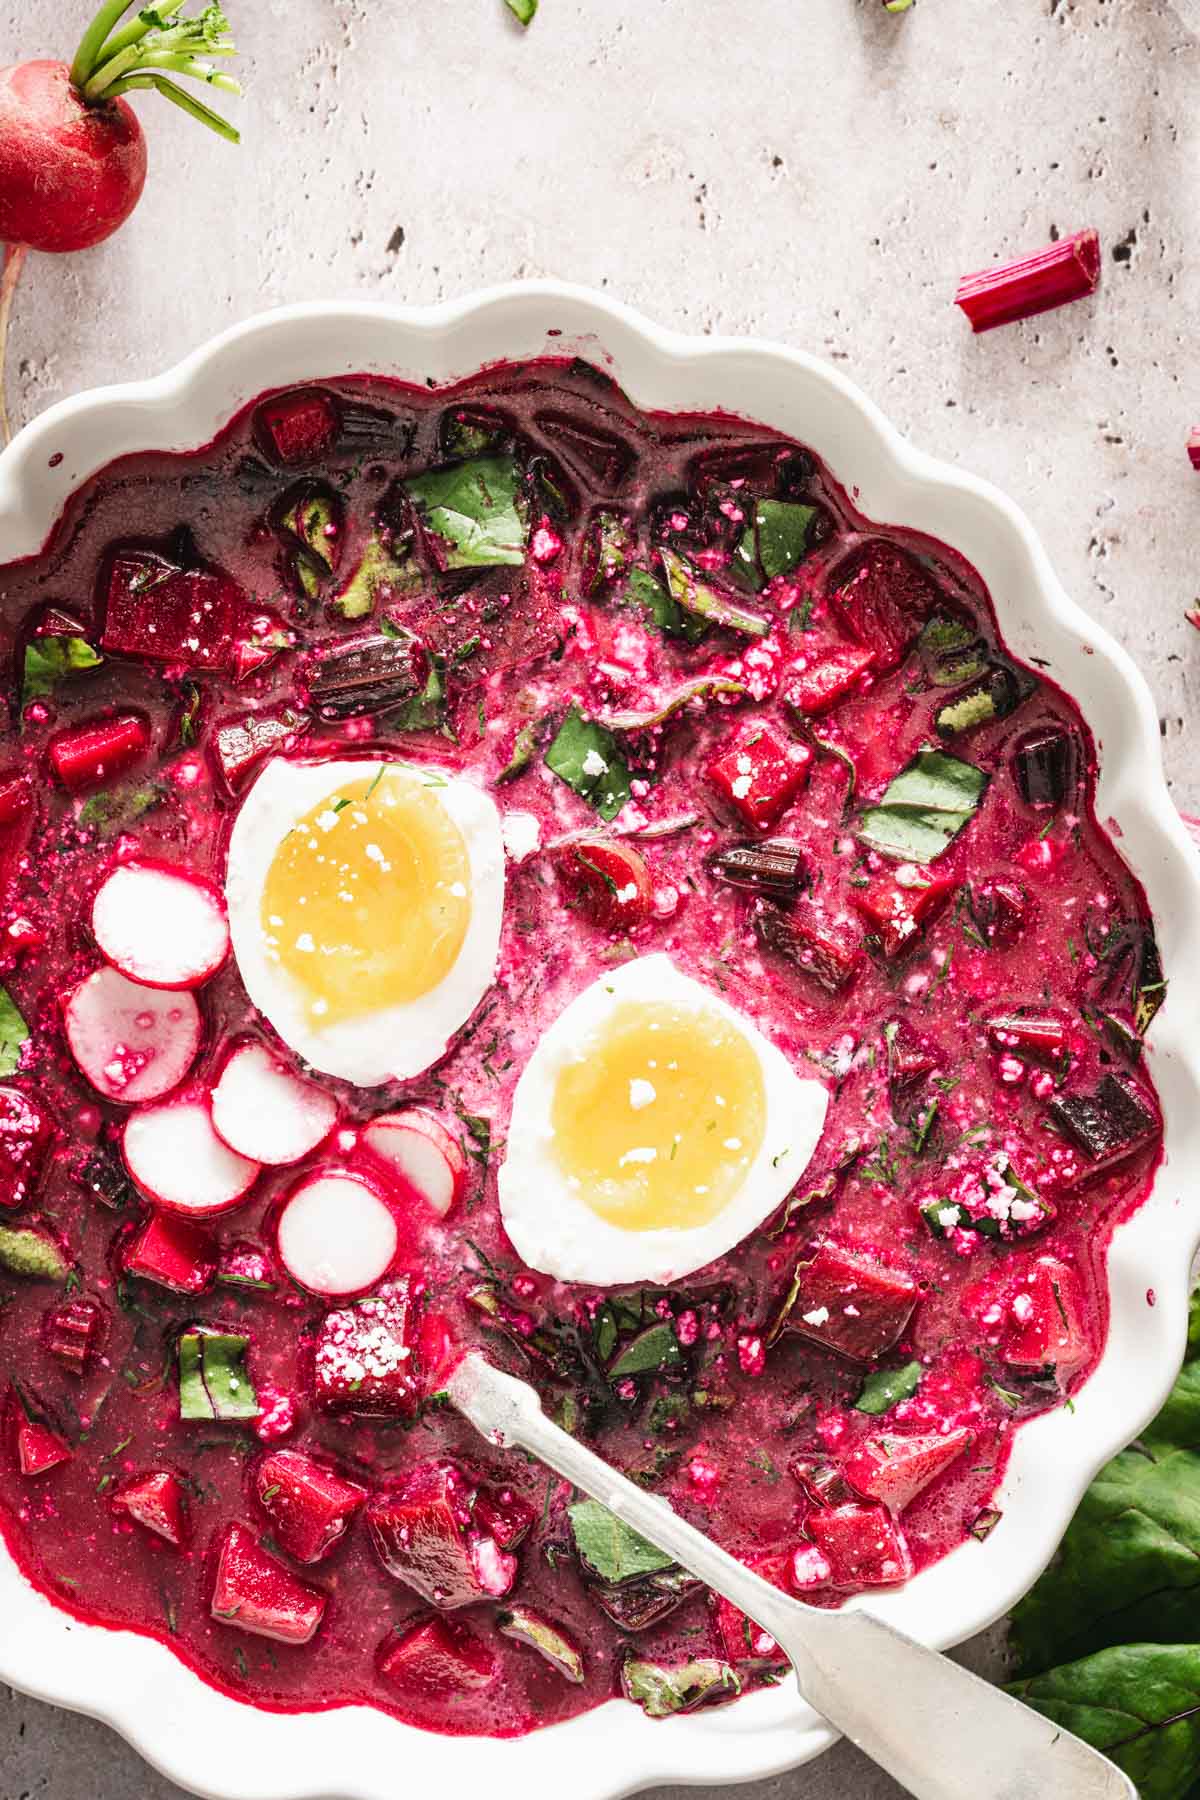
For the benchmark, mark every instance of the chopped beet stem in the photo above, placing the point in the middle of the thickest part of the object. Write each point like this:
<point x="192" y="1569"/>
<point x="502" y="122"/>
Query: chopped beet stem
<point x="1193" y="447"/>
<point x="1067" y="270"/>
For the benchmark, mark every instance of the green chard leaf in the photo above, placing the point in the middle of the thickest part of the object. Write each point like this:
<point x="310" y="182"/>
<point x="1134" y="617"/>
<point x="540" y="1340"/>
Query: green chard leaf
<point x="587" y="757"/>
<point x="661" y="1691"/>
<point x="525" y="1626"/>
<point x="380" y="574"/>
<point x="652" y="599"/>
<point x="655" y="1348"/>
<point x="951" y="651"/>
<point x="524" y="750"/>
<point x="109" y="812"/>
<point x="473" y="509"/>
<point x="1128" y="1569"/>
<point x="924" y="807"/>
<point x="32" y="1252"/>
<point x="885" y="1388"/>
<point x="213" y="1382"/>
<point x="610" y="1549"/>
<point x="775" y="541"/>
<point x="704" y="687"/>
<point x="49" y="660"/>
<point x="1139" y="1703"/>
<point x="14" y="1032"/>
<point x="523" y="11"/>
<point x="426" y="711"/>
<point x="699" y="598"/>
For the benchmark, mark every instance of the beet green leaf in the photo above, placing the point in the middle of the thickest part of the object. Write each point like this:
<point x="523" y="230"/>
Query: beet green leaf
<point x="924" y="807"/>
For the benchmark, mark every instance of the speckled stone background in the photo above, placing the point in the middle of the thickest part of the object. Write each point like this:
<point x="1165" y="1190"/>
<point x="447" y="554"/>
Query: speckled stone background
<point x="815" y="170"/>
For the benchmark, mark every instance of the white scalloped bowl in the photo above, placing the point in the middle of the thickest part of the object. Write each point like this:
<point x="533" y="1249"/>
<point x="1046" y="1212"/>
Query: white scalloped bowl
<point x="217" y="1745"/>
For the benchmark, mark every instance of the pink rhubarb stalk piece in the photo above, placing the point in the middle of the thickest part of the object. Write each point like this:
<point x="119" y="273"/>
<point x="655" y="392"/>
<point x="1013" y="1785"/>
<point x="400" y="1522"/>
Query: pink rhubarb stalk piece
<point x="258" y="1594"/>
<point x="1067" y="270"/>
<point x="1193" y="447"/>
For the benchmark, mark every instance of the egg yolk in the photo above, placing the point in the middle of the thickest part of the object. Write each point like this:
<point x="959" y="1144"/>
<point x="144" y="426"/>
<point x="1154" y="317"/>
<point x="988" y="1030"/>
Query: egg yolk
<point x="368" y="898"/>
<point x="657" y="1123"/>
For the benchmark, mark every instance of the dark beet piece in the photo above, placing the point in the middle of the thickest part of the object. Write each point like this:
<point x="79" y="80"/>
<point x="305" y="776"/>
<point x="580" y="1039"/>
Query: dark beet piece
<point x="239" y="744"/>
<point x="847" y="1302"/>
<point x="297" y="427"/>
<point x="424" y="1534"/>
<point x="72" y="1332"/>
<point x="1046" y="1326"/>
<point x="1000" y="907"/>
<point x="605" y="458"/>
<point x="774" y="868"/>
<point x="830" y="964"/>
<point x="884" y="598"/>
<point x="648" y="1600"/>
<point x="438" y="1658"/>
<point x="1108" y="1125"/>
<point x="367" y="674"/>
<point x="1042" y="762"/>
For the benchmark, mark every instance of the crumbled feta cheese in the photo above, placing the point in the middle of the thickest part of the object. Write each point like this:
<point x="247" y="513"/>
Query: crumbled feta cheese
<point x="594" y="764"/>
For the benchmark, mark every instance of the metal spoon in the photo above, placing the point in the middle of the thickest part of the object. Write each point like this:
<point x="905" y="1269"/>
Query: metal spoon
<point x="940" y="1731"/>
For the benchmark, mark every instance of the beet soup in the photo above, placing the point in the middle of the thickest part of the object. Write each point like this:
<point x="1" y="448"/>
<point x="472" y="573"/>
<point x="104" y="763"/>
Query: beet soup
<point x="405" y="757"/>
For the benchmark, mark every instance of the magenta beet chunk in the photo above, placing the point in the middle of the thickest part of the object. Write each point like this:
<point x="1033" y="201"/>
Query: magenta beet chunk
<point x="17" y="812"/>
<point x="884" y="598"/>
<point x="173" y="1252"/>
<point x="310" y="1506"/>
<point x="504" y="1515"/>
<point x="439" y="1658"/>
<point x="760" y="776"/>
<point x="71" y="1333"/>
<point x="156" y="1501"/>
<point x="1044" y="1039"/>
<point x="26" y="1133"/>
<point x="895" y="913"/>
<point x="1001" y="909"/>
<point x="86" y="756"/>
<point x="908" y="1054"/>
<point x="809" y="946"/>
<point x="424" y="1534"/>
<point x="850" y="1303"/>
<point x="894" y="1468"/>
<point x="1046" y="1326"/>
<point x="745" y="1644"/>
<point x="823" y="1482"/>
<point x="296" y="428"/>
<point x="37" y="1447"/>
<point x="862" y="1544"/>
<point x="365" y="1356"/>
<point x="197" y="618"/>
<point x="827" y="677"/>
<point x="256" y="1593"/>
<point x="239" y="745"/>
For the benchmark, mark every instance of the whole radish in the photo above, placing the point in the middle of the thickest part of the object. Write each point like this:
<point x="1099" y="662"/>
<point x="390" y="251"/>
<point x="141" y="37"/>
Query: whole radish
<point x="72" y="153"/>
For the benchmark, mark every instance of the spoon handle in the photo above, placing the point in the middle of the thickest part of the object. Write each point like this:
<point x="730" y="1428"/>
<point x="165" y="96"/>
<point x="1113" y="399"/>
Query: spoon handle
<point x="939" y="1730"/>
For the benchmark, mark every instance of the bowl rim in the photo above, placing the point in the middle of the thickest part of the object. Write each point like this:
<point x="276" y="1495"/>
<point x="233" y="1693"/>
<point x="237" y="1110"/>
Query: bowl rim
<point x="216" y="1745"/>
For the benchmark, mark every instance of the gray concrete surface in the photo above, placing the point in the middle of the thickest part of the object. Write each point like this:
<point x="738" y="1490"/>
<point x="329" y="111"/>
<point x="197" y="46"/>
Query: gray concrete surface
<point x="816" y="170"/>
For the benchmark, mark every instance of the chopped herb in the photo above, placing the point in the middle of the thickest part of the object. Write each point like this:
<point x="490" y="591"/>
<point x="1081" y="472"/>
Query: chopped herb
<point x="775" y="541"/>
<point x="14" y="1032"/>
<point x="49" y="660"/>
<point x="885" y="1388"/>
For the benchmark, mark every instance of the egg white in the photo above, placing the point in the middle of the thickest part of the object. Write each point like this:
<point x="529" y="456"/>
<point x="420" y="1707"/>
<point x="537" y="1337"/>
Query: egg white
<point x="551" y="1226"/>
<point x="396" y="1042"/>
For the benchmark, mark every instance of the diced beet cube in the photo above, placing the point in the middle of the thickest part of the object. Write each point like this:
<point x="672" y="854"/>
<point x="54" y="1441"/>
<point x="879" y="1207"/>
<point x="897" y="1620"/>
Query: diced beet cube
<point x="425" y="1535"/>
<point x="809" y="947"/>
<point x="26" y="1133"/>
<point x="156" y="1501"/>
<point x="174" y="1253"/>
<point x="745" y="1644"/>
<point x="894" y="1468"/>
<point x="1001" y="909"/>
<point x="296" y="428"/>
<point x="1109" y="1125"/>
<point x="908" y="1055"/>
<point x="310" y="1506"/>
<point x="895" y="911"/>
<point x="256" y="1593"/>
<point x="1046" y="1327"/>
<point x="365" y="1356"/>
<point x="72" y="1332"/>
<point x="814" y="686"/>
<point x="862" y="1544"/>
<point x="884" y="598"/>
<point x="196" y="617"/>
<point x="17" y="812"/>
<point x="504" y="1515"/>
<point x="850" y="1303"/>
<point x="239" y="745"/>
<point x="439" y="1658"/>
<point x="1043" y="1039"/>
<point x="88" y="755"/>
<point x="760" y="776"/>
<point x="37" y="1447"/>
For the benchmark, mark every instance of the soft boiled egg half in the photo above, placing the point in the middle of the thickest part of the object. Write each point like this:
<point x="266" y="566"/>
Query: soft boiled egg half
<point x="652" y="1129"/>
<point x="365" y="903"/>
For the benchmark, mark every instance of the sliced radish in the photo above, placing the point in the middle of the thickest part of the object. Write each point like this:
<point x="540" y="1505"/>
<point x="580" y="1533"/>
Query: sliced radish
<point x="133" y="1043"/>
<point x="177" y="1159"/>
<point x="418" y="1148"/>
<point x="337" y="1236"/>
<point x="161" y="926"/>
<point x="264" y="1111"/>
